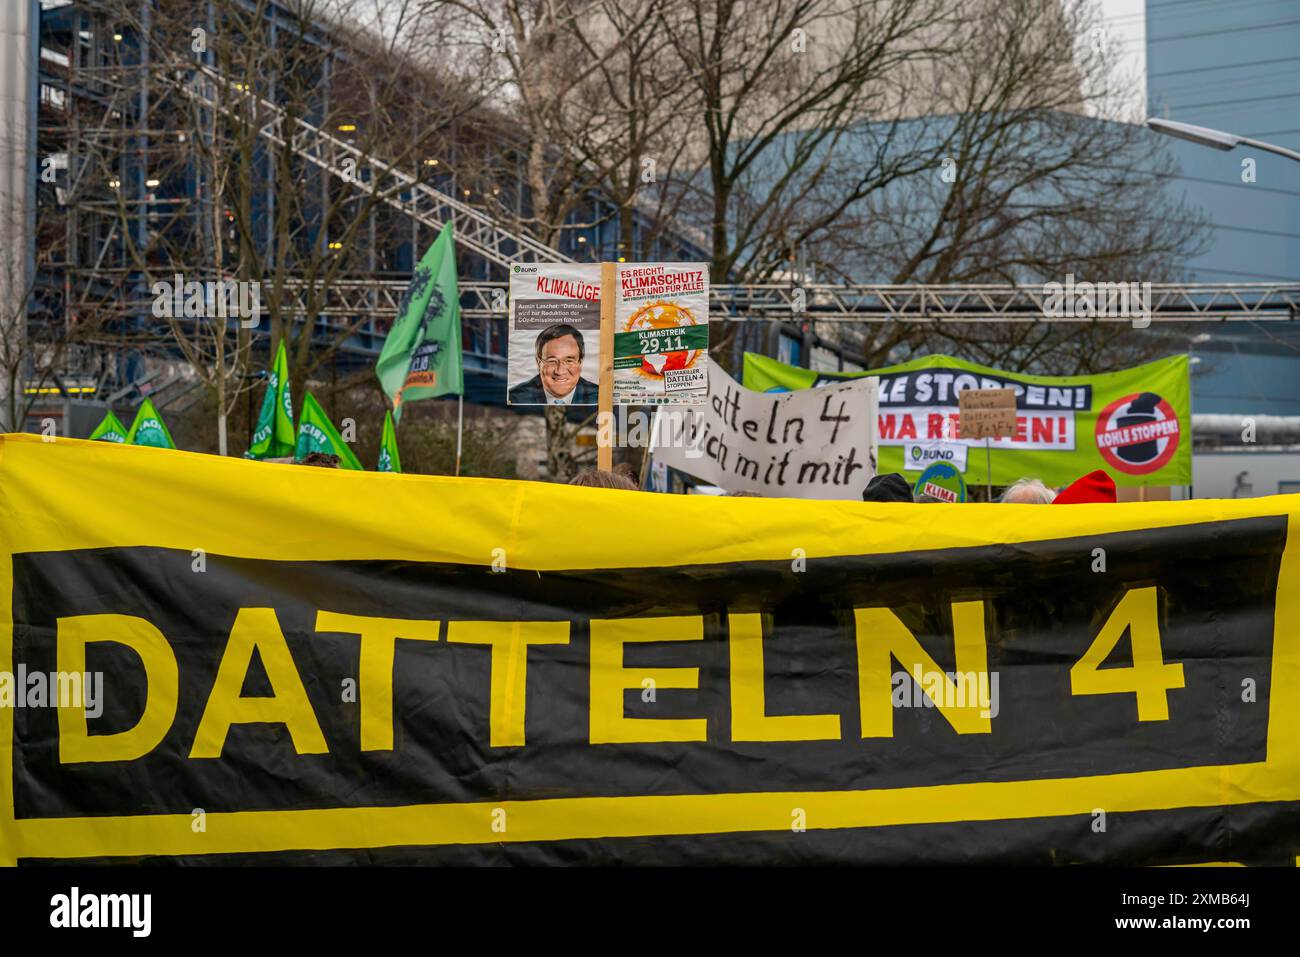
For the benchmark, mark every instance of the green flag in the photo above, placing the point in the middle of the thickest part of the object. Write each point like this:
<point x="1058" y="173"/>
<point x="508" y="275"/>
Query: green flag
<point x="389" y="461"/>
<point x="273" y="437"/>
<point x="421" y="357"/>
<point x="316" y="433"/>
<point x="149" y="428"/>
<point x="109" y="430"/>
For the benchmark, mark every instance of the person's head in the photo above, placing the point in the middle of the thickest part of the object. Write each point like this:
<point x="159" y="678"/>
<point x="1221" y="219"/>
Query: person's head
<point x="559" y="358"/>
<point x="1028" y="491"/>
<point x="927" y="497"/>
<point x="743" y="493"/>
<point x="599" y="478"/>
<point x="888" y="487"/>
<point x="322" y="460"/>
<point x="1096" y="486"/>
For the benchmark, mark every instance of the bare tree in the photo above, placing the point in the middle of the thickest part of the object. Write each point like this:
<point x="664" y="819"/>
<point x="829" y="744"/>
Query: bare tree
<point x="16" y="285"/>
<point x="286" y="157"/>
<point x="626" y="120"/>
<point x="914" y="141"/>
<point x="31" y="352"/>
<point x="39" y="347"/>
<point x="555" y="59"/>
<point x="594" y="89"/>
<point x="1034" y="185"/>
<point x="781" y="90"/>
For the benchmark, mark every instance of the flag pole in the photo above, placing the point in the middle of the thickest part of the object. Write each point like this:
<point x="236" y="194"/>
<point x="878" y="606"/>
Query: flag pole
<point x="605" y="394"/>
<point x="460" y="424"/>
<point x="647" y="459"/>
<point x="988" y="466"/>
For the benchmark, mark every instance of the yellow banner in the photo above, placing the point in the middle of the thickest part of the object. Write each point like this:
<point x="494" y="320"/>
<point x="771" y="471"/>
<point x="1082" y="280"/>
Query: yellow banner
<point x="286" y="658"/>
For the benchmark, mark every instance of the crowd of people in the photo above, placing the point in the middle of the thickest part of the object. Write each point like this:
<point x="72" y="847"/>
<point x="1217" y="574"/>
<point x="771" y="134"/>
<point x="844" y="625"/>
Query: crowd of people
<point x="1096" y="486"/>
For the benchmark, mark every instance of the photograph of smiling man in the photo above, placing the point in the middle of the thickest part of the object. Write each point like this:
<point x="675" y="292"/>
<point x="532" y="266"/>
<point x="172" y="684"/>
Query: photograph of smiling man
<point x="554" y="354"/>
<point x="559" y="381"/>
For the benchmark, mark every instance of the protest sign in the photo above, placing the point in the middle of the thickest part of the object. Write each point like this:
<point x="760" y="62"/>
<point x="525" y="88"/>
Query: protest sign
<point x="802" y="445"/>
<point x="837" y="682"/>
<point x="1135" y="423"/>
<point x="986" y="413"/>
<point x="554" y="355"/>
<point x="918" y="456"/>
<point x="661" y="333"/>
<point x="941" y="481"/>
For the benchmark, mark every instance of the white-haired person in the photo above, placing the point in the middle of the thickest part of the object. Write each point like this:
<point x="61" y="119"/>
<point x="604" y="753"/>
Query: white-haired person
<point x="1028" y="491"/>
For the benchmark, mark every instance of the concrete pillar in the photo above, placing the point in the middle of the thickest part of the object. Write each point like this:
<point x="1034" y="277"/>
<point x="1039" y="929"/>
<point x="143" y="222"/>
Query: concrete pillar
<point x="19" y="56"/>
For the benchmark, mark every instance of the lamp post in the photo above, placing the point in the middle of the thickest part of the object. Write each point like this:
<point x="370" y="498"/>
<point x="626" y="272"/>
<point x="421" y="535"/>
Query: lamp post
<point x="1217" y="139"/>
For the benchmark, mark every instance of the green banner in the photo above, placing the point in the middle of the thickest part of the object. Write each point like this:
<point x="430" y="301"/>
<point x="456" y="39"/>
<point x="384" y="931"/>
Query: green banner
<point x="274" y="437"/>
<point x="389" y="460"/>
<point x="109" y="430"/>
<point x="421" y="358"/>
<point x="316" y="433"/>
<point x="149" y="428"/>
<point x="1135" y="423"/>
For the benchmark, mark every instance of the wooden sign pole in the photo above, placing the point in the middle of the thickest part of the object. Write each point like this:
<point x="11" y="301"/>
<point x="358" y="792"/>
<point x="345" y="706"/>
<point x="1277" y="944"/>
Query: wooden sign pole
<point x="605" y="399"/>
<point x="986" y="414"/>
<point x="988" y="466"/>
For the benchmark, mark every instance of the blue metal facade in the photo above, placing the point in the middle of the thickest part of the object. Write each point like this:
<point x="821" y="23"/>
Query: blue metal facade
<point x="1234" y="65"/>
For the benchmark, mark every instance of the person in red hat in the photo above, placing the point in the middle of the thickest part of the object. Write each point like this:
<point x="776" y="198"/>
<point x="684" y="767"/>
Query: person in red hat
<point x="1094" y="487"/>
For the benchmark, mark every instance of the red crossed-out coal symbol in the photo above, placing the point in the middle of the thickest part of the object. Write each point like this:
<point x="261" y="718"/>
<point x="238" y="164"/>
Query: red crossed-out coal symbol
<point x="1138" y="434"/>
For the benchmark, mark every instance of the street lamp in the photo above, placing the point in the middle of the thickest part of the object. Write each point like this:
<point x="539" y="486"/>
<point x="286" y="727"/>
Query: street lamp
<point x="1217" y="139"/>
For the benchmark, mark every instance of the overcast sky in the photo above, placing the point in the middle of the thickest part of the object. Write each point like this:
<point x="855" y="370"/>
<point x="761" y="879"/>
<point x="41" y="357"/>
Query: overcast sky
<point x="1126" y="26"/>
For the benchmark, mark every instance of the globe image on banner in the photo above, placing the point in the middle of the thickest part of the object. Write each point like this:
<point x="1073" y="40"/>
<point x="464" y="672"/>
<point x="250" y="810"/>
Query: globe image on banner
<point x="663" y="315"/>
<point x="1138" y="433"/>
<point x="941" y="481"/>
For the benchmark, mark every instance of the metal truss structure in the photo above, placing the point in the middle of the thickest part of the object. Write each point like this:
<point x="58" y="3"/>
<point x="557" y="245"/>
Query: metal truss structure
<point x="1170" y="302"/>
<point x="367" y="306"/>
<point x="407" y="194"/>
